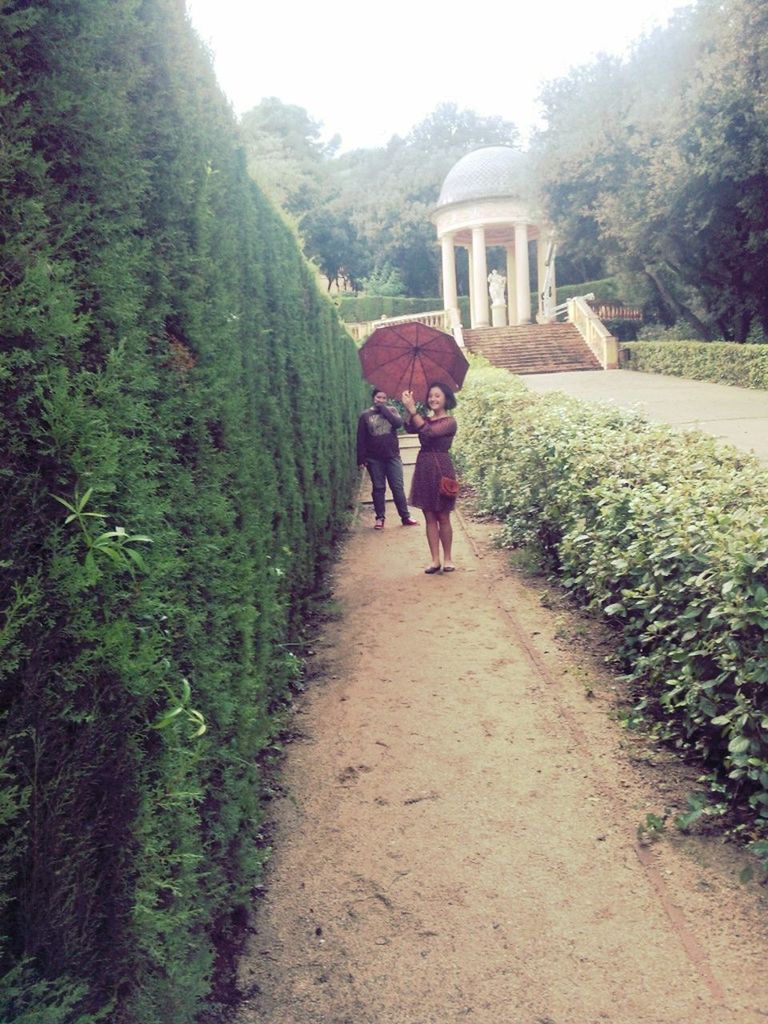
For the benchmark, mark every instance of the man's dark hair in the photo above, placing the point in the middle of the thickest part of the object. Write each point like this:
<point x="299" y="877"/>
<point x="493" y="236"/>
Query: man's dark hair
<point x="450" y="398"/>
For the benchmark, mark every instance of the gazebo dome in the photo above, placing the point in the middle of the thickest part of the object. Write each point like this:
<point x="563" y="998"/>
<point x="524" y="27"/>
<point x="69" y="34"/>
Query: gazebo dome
<point x="489" y="173"/>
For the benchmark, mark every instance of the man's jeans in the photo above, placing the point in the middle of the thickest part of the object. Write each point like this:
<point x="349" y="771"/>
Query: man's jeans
<point x="383" y="471"/>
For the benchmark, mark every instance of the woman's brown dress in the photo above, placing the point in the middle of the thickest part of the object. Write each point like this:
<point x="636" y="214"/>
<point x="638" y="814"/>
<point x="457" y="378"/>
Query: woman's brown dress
<point x="432" y="462"/>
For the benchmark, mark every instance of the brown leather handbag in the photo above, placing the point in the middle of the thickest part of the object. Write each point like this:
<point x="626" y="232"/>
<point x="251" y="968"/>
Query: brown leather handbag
<point x="448" y="487"/>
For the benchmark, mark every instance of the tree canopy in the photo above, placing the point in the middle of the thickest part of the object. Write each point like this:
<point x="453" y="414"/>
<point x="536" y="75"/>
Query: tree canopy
<point x="653" y="168"/>
<point x="659" y="165"/>
<point x="363" y="214"/>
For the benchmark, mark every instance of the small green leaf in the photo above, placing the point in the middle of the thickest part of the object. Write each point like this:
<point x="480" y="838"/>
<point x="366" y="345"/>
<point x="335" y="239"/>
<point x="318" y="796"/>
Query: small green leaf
<point x="111" y="552"/>
<point x="739" y="745"/>
<point x="135" y="556"/>
<point x="85" y="499"/>
<point x="65" y="503"/>
<point x="166" y="720"/>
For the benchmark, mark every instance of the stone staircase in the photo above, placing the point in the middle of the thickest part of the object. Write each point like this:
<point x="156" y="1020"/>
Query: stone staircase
<point x="533" y="348"/>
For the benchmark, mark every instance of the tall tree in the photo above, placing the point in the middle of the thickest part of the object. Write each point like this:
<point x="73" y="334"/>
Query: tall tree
<point x="367" y="211"/>
<point x="286" y="155"/>
<point x="657" y="165"/>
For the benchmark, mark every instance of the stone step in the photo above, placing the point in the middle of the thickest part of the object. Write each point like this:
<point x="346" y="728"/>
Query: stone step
<point x="533" y="348"/>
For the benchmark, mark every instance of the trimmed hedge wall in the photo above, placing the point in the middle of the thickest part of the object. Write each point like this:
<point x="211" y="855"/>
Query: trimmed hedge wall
<point x="720" y="362"/>
<point x="166" y="355"/>
<point x="665" y="535"/>
<point x="605" y="290"/>
<point x="355" y="309"/>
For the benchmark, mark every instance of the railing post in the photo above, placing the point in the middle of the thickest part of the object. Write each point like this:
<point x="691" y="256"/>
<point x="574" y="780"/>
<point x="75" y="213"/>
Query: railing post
<point x="595" y="333"/>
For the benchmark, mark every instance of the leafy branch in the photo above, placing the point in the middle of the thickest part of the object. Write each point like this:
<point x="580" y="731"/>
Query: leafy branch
<point x="112" y="544"/>
<point x="193" y="716"/>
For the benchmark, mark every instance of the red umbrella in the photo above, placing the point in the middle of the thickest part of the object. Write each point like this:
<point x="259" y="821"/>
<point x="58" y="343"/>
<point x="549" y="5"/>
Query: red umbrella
<point x="410" y="356"/>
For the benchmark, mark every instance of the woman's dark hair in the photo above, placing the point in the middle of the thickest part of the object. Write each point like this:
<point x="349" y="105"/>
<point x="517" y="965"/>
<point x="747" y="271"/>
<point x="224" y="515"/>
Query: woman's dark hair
<point x="450" y="398"/>
<point x="375" y="391"/>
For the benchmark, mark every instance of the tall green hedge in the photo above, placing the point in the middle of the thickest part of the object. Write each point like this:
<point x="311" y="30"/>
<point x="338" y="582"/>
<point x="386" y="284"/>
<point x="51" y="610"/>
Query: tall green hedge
<point x="721" y="362"/>
<point x="361" y="308"/>
<point x="664" y="534"/>
<point x="165" y="354"/>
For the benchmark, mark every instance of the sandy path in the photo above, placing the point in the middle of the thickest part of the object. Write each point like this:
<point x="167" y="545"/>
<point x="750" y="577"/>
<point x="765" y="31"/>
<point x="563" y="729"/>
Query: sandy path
<point x="458" y="840"/>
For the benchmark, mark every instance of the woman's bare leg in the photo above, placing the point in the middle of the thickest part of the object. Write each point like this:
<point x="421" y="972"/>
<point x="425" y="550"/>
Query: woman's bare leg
<point x="446" y="536"/>
<point x="433" y="536"/>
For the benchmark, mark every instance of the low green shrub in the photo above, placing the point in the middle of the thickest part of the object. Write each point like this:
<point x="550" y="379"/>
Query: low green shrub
<point x="356" y="309"/>
<point x="665" y="535"/>
<point x="605" y="290"/>
<point x="720" y="362"/>
<point x="623" y="329"/>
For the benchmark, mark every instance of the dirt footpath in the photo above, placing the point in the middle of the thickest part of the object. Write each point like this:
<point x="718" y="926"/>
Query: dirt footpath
<point x="458" y="838"/>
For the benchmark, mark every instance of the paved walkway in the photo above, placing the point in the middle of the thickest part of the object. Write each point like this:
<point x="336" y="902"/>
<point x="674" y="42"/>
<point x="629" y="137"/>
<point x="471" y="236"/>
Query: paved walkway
<point x="736" y="415"/>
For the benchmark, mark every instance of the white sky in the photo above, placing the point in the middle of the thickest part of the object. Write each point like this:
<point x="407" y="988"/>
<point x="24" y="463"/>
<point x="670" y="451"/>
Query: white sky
<point x="368" y="71"/>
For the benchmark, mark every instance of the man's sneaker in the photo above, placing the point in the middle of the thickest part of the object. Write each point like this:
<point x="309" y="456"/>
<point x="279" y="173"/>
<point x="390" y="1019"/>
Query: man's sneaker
<point x="379" y="524"/>
<point x="409" y="522"/>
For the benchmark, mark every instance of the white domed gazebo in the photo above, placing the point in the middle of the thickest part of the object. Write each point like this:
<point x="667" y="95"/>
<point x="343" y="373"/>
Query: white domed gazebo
<point x="488" y="200"/>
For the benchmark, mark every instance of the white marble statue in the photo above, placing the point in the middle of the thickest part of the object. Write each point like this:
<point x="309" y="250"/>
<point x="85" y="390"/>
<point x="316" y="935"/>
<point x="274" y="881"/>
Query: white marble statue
<point x="496" y="283"/>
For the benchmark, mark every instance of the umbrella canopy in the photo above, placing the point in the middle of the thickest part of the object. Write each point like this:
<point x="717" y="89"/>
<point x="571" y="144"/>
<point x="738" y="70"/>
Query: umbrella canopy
<point x="410" y="356"/>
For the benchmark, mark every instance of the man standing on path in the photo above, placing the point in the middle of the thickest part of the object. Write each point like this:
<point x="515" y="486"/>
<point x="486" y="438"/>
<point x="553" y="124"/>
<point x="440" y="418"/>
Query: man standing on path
<point x="379" y="451"/>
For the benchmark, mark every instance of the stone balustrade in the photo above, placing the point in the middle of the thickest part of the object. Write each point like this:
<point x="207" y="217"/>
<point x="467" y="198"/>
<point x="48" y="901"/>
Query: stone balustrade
<point x="616" y="311"/>
<point x="437" y="318"/>
<point x="594" y="332"/>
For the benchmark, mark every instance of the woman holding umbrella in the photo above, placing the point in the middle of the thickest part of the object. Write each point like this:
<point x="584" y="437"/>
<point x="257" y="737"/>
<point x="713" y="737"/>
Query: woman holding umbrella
<point x="434" y="486"/>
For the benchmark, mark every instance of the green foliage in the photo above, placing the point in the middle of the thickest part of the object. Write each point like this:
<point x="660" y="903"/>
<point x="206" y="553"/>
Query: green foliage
<point x="368" y="210"/>
<point x="607" y="289"/>
<point x="286" y="155"/>
<point x="331" y="240"/>
<point x="744" y="366"/>
<point x="165" y="357"/>
<point x="26" y="999"/>
<point x="650" y="830"/>
<point x="622" y="329"/>
<point x="361" y="308"/>
<point x="665" y="535"/>
<point x="386" y="281"/>
<point x="113" y="544"/>
<point x="657" y="165"/>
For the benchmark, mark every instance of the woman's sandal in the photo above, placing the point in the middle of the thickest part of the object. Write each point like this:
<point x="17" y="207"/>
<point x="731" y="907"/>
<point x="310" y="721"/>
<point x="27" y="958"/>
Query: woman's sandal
<point x="432" y="569"/>
<point x="449" y="568"/>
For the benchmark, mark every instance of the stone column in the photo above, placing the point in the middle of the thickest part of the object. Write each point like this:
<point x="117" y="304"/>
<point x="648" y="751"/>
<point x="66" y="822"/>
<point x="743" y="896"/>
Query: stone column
<point x="480" y="278"/>
<point x="450" y="294"/>
<point x="523" y="274"/>
<point x="511" y="286"/>
<point x="470" y="278"/>
<point x="541" y="271"/>
<point x="552" y="273"/>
